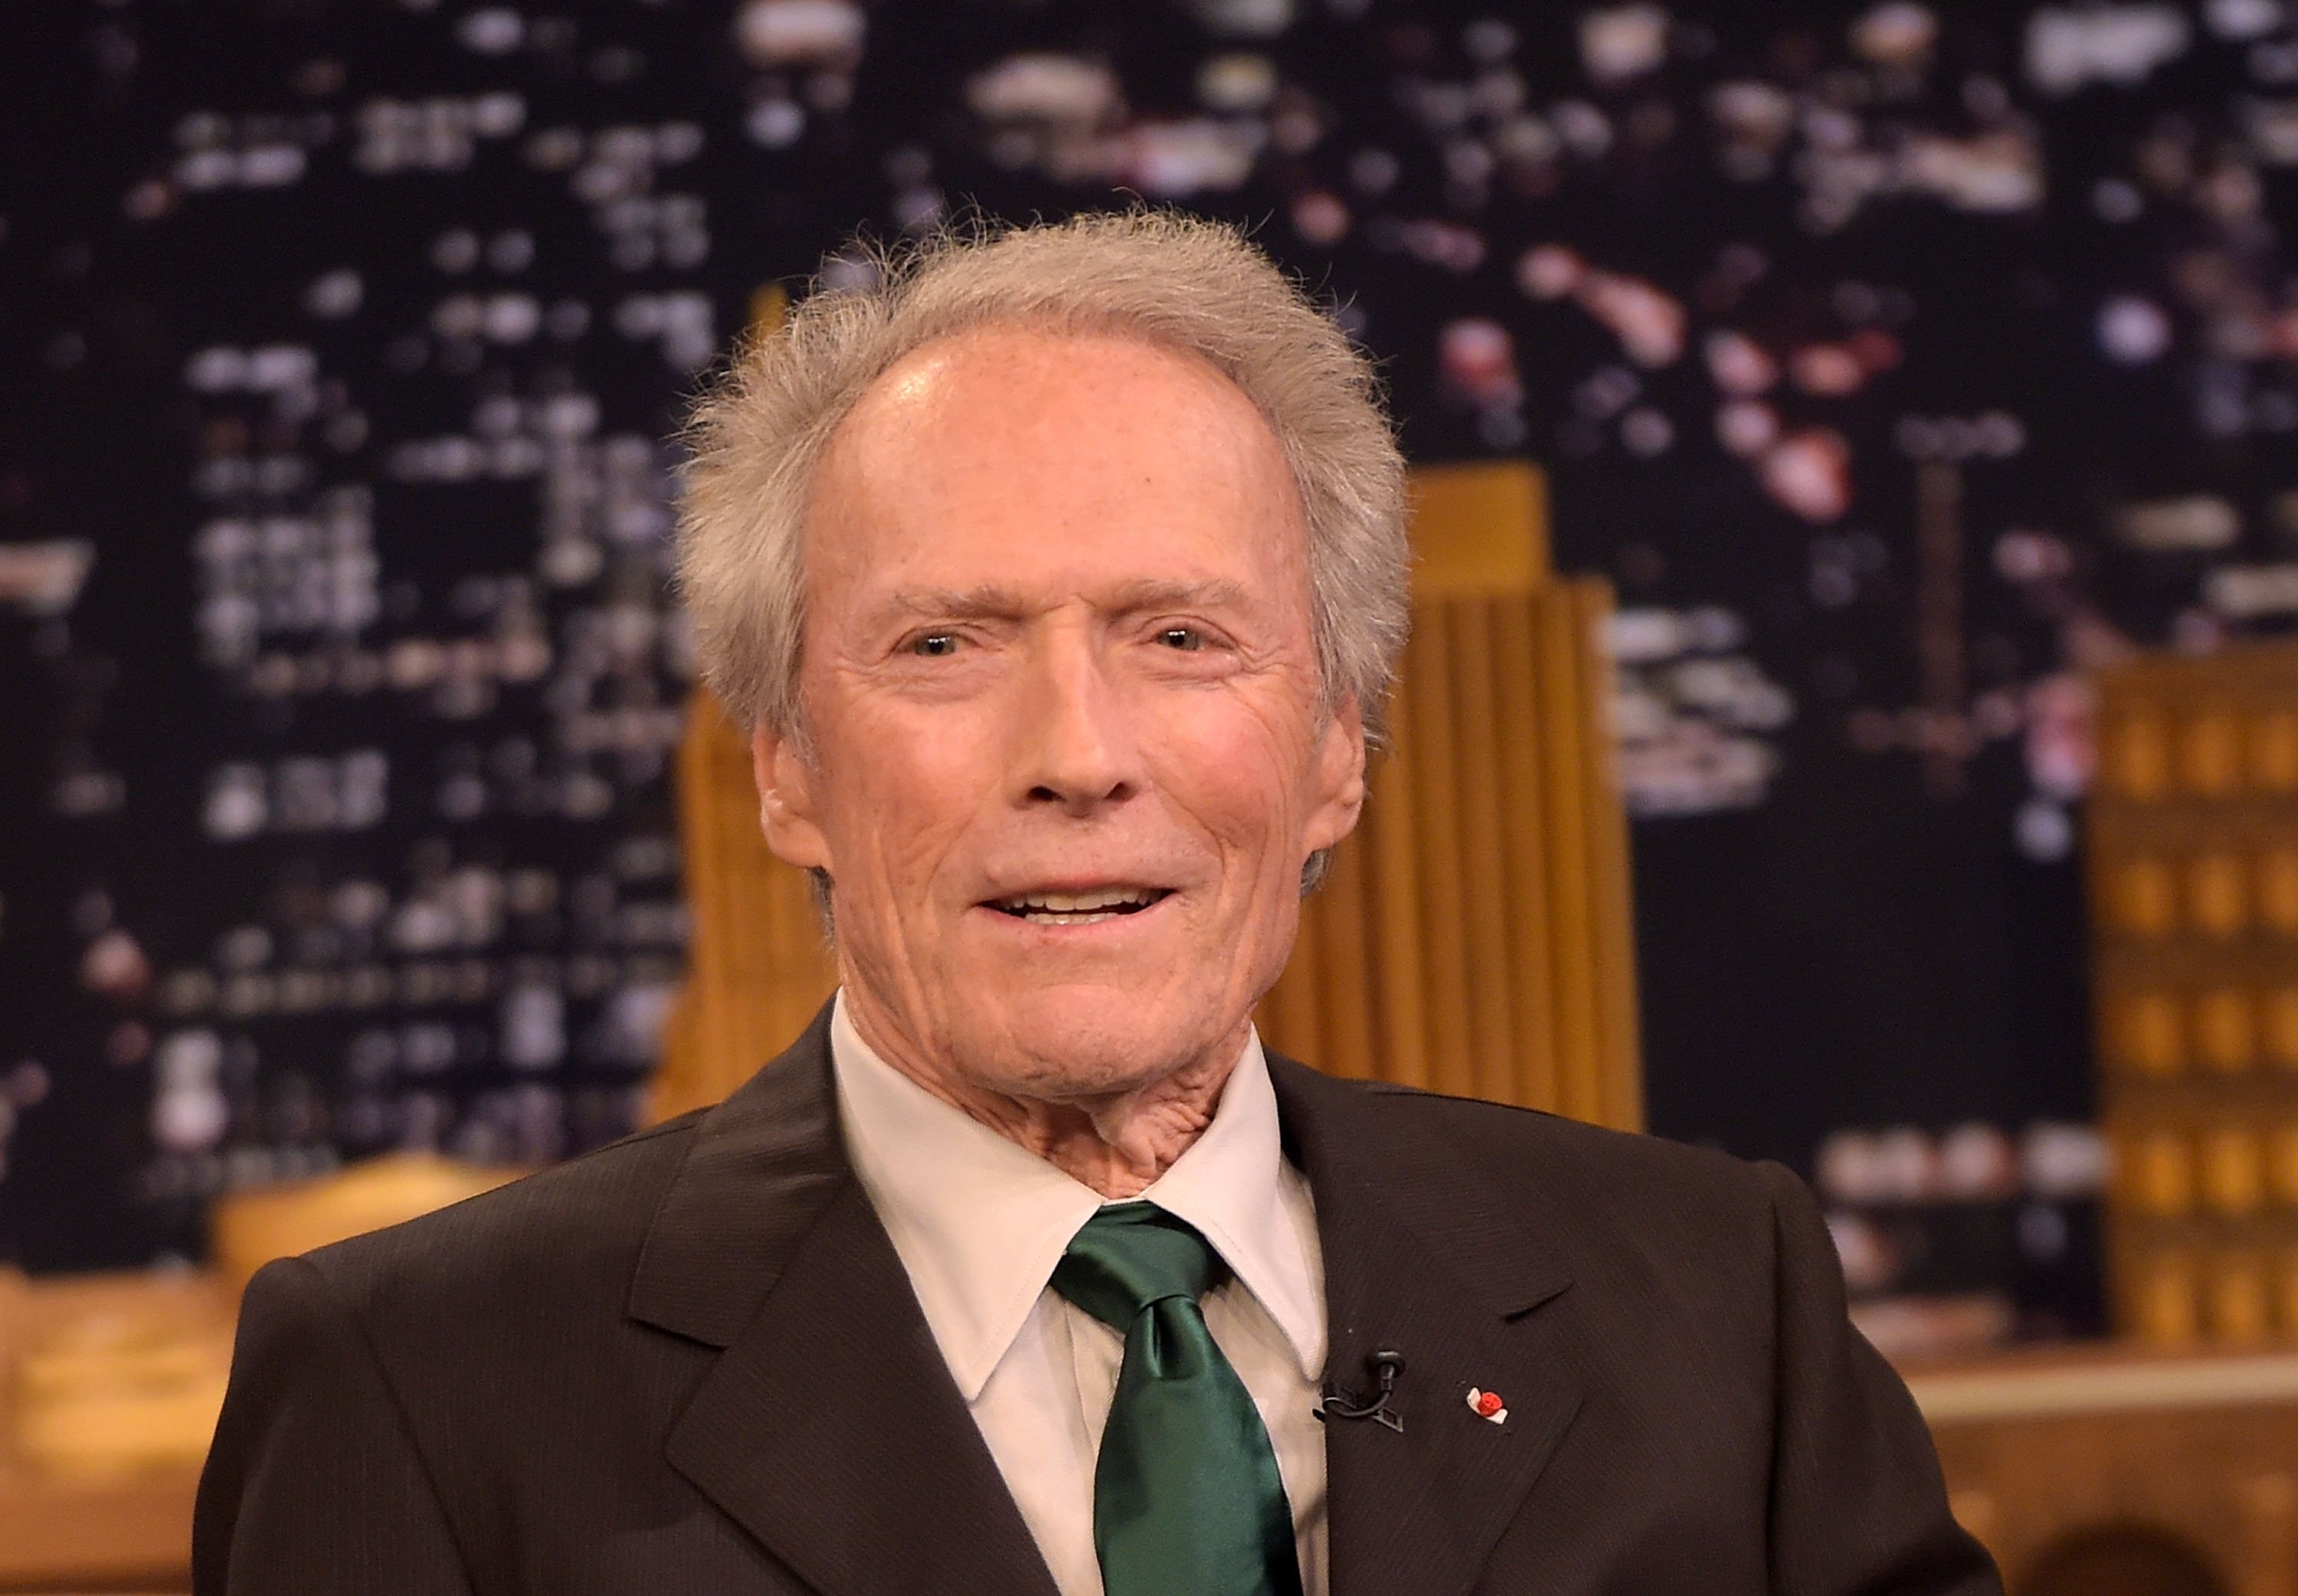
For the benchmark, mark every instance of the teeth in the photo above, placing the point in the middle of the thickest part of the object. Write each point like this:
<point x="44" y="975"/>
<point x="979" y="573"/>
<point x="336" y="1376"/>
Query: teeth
<point x="1079" y="908"/>
<point x="1082" y="903"/>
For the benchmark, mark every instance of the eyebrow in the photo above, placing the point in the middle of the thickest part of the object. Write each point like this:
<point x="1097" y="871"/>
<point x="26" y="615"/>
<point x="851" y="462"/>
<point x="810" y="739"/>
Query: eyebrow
<point x="991" y="602"/>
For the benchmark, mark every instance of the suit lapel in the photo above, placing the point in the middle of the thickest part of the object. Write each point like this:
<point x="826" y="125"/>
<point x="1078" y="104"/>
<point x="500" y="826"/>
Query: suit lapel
<point x="829" y="1427"/>
<point x="1421" y="1257"/>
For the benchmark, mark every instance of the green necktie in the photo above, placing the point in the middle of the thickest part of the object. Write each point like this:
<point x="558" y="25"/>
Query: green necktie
<point x="1186" y="1499"/>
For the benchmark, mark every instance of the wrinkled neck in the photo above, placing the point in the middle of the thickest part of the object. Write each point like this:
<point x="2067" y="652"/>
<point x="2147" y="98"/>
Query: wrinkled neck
<point x="1117" y="1144"/>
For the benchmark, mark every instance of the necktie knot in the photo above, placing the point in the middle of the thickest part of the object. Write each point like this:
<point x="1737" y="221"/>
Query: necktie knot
<point x="1131" y="1255"/>
<point x="1186" y="1494"/>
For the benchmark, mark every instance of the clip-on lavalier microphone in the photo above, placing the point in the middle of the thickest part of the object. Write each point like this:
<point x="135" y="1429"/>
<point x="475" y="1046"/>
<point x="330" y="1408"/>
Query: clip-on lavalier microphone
<point x="1385" y="1365"/>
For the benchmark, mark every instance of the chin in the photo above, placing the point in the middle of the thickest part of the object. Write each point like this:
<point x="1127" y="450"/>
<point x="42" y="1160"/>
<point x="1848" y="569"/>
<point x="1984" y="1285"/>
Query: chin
<point x="1072" y="1046"/>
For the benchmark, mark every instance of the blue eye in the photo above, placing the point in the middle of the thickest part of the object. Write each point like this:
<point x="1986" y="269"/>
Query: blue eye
<point x="934" y="645"/>
<point x="1187" y="639"/>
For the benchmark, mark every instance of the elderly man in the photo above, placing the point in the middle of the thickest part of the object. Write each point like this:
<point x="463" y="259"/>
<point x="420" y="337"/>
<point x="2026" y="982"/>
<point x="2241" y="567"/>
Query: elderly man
<point x="1060" y="575"/>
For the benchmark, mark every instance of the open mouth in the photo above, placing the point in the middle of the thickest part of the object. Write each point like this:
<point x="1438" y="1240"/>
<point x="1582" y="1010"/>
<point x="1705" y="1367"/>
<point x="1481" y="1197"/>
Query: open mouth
<point x="1078" y="908"/>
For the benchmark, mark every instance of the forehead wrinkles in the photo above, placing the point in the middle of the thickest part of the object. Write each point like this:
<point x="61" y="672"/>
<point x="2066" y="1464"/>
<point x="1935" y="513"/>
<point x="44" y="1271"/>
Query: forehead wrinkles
<point x="1057" y="425"/>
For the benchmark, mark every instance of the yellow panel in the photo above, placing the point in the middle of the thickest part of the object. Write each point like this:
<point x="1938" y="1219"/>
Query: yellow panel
<point x="1392" y="871"/>
<point x="2274" y="751"/>
<point x="1478" y="531"/>
<point x="2195" y="880"/>
<point x="2282" y="1164"/>
<point x="2161" y="1179"/>
<point x="2166" y="1314"/>
<point x="1564" y="785"/>
<point x="2234" y="1180"/>
<point x="2225" y="1034"/>
<point x="769" y="308"/>
<point x="756" y="965"/>
<point x="2144" y="1034"/>
<point x="1347" y="1026"/>
<point x="1524" y="856"/>
<point x="2145" y="902"/>
<point x="2282" y="1027"/>
<point x="1296" y="1028"/>
<point x="2136" y="757"/>
<point x="2239" y="1298"/>
<point x="1483" y="883"/>
<point x="1444" y="943"/>
<point x="1610" y="927"/>
<point x="2210" y="753"/>
<point x="2277" y="889"/>
<point x="2217" y="899"/>
<point x="2287" y="1290"/>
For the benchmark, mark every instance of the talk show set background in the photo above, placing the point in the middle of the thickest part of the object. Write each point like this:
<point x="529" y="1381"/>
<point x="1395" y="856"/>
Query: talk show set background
<point x="1867" y="435"/>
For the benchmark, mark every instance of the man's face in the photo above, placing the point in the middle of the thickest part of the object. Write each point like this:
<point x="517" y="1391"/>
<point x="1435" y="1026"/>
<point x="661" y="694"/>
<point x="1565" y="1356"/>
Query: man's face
<point x="1067" y="753"/>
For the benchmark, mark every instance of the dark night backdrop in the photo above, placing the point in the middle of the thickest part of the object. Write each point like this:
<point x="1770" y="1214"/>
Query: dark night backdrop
<point x="1897" y="363"/>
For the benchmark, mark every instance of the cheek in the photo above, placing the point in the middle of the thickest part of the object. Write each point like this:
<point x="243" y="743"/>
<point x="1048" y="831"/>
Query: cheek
<point x="1239" y="767"/>
<point x="901" y="790"/>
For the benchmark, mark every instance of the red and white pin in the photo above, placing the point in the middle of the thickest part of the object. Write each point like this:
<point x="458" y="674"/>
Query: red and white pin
<point x="1487" y="1405"/>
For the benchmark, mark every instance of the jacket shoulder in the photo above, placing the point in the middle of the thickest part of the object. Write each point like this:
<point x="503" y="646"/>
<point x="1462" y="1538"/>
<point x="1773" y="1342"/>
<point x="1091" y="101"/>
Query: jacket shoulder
<point x="1569" y="1147"/>
<point x="1621" y="1194"/>
<point x="576" y="1227"/>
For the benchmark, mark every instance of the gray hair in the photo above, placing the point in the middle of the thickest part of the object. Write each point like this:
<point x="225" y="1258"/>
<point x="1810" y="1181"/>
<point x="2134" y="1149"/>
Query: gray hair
<point x="756" y="438"/>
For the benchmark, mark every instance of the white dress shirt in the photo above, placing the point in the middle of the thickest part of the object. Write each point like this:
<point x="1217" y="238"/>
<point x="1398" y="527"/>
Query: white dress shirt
<point x="979" y="1222"/>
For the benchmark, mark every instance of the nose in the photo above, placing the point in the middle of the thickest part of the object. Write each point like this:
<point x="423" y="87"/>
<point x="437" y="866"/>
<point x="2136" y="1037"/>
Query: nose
<point x="1074" y="745"/>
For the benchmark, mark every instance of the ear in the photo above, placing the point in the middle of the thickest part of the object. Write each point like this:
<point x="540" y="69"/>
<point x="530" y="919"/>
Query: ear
<point x="1338" y="794"/>
<point x="786" y="800"/>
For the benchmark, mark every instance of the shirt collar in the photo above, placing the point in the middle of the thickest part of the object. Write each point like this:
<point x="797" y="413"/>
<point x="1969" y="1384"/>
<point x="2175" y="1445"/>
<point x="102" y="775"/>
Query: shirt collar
<point x="980" y="1221"/>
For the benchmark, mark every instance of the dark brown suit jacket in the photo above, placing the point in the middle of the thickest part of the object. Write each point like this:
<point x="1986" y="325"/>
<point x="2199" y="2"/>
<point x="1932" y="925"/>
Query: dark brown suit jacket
<point x="692" y="1362"/>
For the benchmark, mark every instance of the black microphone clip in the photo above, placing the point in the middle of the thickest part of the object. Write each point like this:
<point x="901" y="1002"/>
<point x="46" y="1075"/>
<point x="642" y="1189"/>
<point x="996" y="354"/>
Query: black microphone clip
<point x="1385" y="1365"/>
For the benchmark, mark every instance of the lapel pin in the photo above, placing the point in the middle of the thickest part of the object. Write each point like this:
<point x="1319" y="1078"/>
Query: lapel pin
<point x="1487" y="1405"/>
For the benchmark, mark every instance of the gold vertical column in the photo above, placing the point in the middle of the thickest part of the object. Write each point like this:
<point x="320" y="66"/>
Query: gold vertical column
<point x="1483" y="884"/>
<point x="1297" y="1005"/>
<point x="1571" y="913"/>
<point x="1487" y="886"/>
<point x="1530" y="968"/>
<point x="1445" y="943"/>
<point x="2195" y="946"/>
<point x="1392" y="874"/>
<point x="757" y="967"/>
<point x="1618" y="1060"/>
<point x="1344" y="968"/>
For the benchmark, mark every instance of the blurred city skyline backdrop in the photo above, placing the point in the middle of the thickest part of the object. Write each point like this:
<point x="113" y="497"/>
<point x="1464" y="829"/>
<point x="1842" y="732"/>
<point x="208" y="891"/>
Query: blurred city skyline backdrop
<point x="1897" y="363"/>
